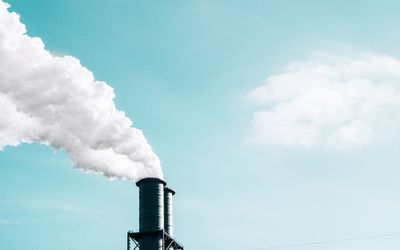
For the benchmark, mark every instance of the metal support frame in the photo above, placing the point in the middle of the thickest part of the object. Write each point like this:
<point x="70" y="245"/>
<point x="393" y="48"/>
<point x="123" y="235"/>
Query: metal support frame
<point x="168" y="241"/>
<point x="129" y="239"/>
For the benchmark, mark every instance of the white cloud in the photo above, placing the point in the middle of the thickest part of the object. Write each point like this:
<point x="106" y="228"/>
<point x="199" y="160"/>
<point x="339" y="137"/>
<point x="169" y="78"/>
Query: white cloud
<point x="329" y="101"/>
<point x="56" y="101"/>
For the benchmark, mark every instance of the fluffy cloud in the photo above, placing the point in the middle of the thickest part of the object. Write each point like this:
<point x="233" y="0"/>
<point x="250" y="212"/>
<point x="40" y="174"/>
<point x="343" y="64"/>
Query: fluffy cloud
<point x="329" y="101"/>
<point x="56" y="101"/>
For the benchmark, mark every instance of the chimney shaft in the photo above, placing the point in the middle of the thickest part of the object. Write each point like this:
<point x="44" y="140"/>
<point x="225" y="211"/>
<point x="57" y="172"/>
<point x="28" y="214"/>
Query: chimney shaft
<point x="168" y="211"/>
<point x="151" y="212"/>
<point x="151" y="204"/>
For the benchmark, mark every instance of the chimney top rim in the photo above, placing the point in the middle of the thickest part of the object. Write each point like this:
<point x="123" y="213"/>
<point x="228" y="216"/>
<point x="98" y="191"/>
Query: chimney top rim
<point x="150" y="179"/>
<point x="168" y="189"/>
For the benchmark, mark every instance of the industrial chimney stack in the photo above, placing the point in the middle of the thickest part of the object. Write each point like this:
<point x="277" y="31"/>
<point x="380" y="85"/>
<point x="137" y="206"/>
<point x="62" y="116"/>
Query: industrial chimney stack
<point x="168" y="211"/>
<point x="155" y="217"/>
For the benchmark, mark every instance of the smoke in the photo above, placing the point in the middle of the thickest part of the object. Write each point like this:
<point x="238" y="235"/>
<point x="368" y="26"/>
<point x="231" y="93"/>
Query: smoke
<point x="55" y="101"/>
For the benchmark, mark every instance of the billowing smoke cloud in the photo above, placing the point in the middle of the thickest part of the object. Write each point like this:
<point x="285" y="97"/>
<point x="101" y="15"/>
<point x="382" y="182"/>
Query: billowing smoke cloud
<point x="55" y="101"/>
<point x="329" y="101"/>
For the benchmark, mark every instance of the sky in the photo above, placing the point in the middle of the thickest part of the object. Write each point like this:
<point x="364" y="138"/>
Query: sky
<point x="275" y="122"/>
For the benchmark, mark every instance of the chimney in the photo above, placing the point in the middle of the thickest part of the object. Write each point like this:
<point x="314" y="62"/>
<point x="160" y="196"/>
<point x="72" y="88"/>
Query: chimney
<point x="155" y="217"/>
<point x="168" y="211"/>
<point x="151" y="204"/>
<point x="151" y="213"/>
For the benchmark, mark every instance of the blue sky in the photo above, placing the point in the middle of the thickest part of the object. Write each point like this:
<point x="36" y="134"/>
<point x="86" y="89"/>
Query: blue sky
<point x="181" y="70"/>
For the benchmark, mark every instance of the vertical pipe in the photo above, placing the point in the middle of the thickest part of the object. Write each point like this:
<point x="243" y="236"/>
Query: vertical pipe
<point x="168" y="211"/>
<point x="151" y="212"/>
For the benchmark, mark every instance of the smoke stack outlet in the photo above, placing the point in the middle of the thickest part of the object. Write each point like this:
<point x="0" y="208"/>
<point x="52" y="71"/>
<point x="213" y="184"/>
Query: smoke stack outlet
<point x="155" y="217"/>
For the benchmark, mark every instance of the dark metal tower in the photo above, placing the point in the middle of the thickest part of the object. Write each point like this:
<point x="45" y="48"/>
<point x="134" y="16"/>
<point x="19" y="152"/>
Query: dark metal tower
<point x="168" y="211"/>
<point x="155" y="217"/>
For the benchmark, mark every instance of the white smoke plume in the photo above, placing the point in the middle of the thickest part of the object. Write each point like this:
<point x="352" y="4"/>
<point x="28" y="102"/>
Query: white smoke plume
<point x="56" y="101"/>
<point x="329" y="100"/>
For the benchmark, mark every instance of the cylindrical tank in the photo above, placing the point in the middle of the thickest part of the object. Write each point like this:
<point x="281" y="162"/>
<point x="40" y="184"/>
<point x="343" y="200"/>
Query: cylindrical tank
<point x="151" y="204"/>
<point x="151" y="213"/>
<point x="168" y="211"/>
